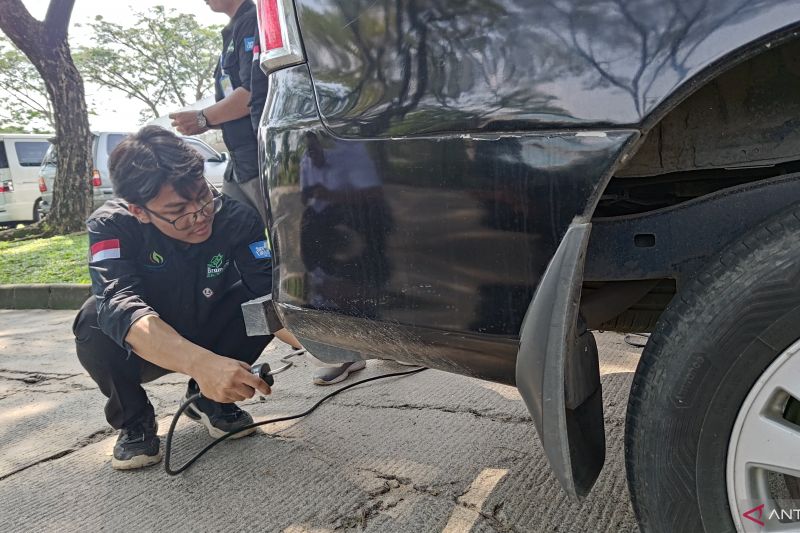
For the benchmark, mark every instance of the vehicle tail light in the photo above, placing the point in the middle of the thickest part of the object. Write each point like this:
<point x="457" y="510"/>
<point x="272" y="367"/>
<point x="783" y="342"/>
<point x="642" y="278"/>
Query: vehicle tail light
<point x="42" y="184"/>
<point x="279" y="36"/>
<point x="96" y="180"/>
<point x="7" y="186"/>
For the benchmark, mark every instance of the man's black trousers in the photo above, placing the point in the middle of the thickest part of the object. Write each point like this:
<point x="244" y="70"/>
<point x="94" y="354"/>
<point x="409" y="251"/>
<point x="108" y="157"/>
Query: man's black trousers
<point x="120" y="375"/>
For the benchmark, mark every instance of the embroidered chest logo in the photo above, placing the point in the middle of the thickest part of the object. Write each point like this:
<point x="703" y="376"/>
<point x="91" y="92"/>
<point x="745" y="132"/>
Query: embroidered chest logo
<point x="155" y="260"/>
<point x="217" y="265"/>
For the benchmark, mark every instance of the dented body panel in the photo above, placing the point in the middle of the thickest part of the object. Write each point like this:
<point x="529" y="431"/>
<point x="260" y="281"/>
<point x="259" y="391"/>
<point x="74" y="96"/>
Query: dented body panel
<point x="436" y="243"/>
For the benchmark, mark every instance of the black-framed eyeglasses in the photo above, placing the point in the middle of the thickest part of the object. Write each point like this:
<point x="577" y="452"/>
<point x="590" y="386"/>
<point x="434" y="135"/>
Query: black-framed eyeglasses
<point x="186" y="221"/>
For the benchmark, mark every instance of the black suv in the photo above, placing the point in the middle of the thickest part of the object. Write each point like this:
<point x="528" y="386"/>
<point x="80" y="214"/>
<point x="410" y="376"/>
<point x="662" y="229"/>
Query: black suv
<point x="476" y="185"/>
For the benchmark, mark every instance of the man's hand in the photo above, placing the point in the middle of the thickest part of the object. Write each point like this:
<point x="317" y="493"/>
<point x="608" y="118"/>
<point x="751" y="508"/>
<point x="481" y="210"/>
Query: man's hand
<point x="220" y="378"/>
<point x="226" y="380"/>
<point x="186" y="123"/>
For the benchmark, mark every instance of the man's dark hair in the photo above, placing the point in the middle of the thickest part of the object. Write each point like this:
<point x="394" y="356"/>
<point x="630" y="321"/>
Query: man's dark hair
<point x="146" y="161"/>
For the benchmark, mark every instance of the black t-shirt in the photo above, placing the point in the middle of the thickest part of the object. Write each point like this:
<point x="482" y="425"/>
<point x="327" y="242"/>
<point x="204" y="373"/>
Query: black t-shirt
<point x="136" y="270"/>
<point x="235" y="64"/>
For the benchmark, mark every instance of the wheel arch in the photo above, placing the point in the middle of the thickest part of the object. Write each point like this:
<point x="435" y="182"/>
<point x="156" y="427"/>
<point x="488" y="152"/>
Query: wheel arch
<point x="713" y="70"/>
<point x="729" y="120"/>
<point x="535" y="351"/>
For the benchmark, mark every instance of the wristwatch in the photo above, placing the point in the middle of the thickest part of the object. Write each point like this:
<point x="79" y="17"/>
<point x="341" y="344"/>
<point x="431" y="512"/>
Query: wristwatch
<point x="202" y="121"/>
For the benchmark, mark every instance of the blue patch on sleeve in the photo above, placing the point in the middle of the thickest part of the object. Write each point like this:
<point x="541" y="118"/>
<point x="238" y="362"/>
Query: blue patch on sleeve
<point x="260" y="250"/>
<point x="249" y="42"/>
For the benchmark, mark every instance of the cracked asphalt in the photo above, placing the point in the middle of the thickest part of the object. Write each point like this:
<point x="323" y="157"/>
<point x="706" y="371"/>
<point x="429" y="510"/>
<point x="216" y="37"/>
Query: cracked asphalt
<point x="431" y="452"/>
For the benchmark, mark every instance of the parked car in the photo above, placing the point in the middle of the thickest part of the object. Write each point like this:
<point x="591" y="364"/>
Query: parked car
<point x="215" y="162"/>
<point x="475" y="186"/>
<point x="20" y="158"/>
<point x="102" y="146"/>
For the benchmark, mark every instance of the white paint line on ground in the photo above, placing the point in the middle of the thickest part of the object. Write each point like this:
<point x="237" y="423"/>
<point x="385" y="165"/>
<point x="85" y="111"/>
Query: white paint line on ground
<point x="466" y="514"/>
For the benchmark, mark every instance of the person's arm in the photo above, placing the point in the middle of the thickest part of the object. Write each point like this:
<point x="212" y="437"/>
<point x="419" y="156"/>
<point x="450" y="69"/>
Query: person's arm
<point x="221" y="379"/>
<point x="251" y="251"/>
<point x="234" y="106"/>
<point x="116" y="284"/>
<point x="253" y="259"/>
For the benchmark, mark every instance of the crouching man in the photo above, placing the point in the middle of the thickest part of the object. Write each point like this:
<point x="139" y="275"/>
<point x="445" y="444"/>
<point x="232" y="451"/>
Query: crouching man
<point x="171" y="261"/>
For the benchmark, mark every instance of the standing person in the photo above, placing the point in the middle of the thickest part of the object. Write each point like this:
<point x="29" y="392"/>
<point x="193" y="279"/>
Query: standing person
<point x="231" y="112"/>
<point x="171" y="262"/>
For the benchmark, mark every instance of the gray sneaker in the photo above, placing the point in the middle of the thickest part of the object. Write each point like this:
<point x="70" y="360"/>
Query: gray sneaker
<point x="328" y="375"/>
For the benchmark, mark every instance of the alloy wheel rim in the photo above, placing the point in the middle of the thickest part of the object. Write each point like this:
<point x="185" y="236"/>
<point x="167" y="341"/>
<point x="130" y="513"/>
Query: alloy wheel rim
<point x="764" y="442"/>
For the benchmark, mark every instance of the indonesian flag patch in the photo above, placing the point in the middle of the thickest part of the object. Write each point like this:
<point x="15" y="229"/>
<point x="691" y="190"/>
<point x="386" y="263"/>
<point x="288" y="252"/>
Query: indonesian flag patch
<point x="108" y="249"/>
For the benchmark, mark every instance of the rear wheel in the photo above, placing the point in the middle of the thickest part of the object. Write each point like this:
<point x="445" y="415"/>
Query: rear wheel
<point x="37" y="216"/>
<point x="713" y="426"/>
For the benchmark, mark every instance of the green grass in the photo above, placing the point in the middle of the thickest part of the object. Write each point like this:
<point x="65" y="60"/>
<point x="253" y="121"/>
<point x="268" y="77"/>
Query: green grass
<point x="53" y="260"/>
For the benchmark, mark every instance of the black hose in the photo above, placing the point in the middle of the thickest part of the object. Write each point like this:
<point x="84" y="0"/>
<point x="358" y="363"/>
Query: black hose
<point x="189" y="401"/>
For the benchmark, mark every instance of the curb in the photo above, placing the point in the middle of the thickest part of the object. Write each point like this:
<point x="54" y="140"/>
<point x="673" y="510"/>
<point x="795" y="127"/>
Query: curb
<point x="55" y="296"/>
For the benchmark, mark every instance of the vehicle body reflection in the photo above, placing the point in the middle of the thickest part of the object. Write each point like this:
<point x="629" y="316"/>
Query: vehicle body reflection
<point x="428" y="242"/>
<point x="434" y="170"/>
<point x="343" y="228"/>
<point x="422" y="66"/>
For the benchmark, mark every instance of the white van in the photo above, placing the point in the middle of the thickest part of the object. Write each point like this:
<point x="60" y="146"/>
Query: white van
<point x="21" y="156"/>
<point x="102" y="146"/>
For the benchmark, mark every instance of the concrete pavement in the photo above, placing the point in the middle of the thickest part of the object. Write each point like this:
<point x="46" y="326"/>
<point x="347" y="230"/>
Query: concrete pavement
<point x="430" y="452"/>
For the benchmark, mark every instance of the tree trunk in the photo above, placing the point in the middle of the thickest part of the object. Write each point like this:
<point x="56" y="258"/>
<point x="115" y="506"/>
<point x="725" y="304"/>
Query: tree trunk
<point x="72" y="191"/>
<point x="45" y="44"/>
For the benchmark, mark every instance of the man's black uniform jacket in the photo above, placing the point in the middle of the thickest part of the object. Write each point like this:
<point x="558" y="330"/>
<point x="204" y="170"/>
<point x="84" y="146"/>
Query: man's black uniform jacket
<point x="238" y="41"/>
<point x="136" y="270"/>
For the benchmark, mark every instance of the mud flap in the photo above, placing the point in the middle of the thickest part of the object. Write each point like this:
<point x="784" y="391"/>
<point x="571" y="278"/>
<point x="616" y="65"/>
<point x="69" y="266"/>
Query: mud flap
<point x="558" y="371"/>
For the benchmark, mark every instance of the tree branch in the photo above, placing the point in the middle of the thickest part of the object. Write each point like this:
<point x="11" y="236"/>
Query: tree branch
<point x="170" y="70"/>
<point x="22" y="97"/>
<point x="20" y="26"/>
<point x="56" y="21"/>
<point x="121" y="82"/>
